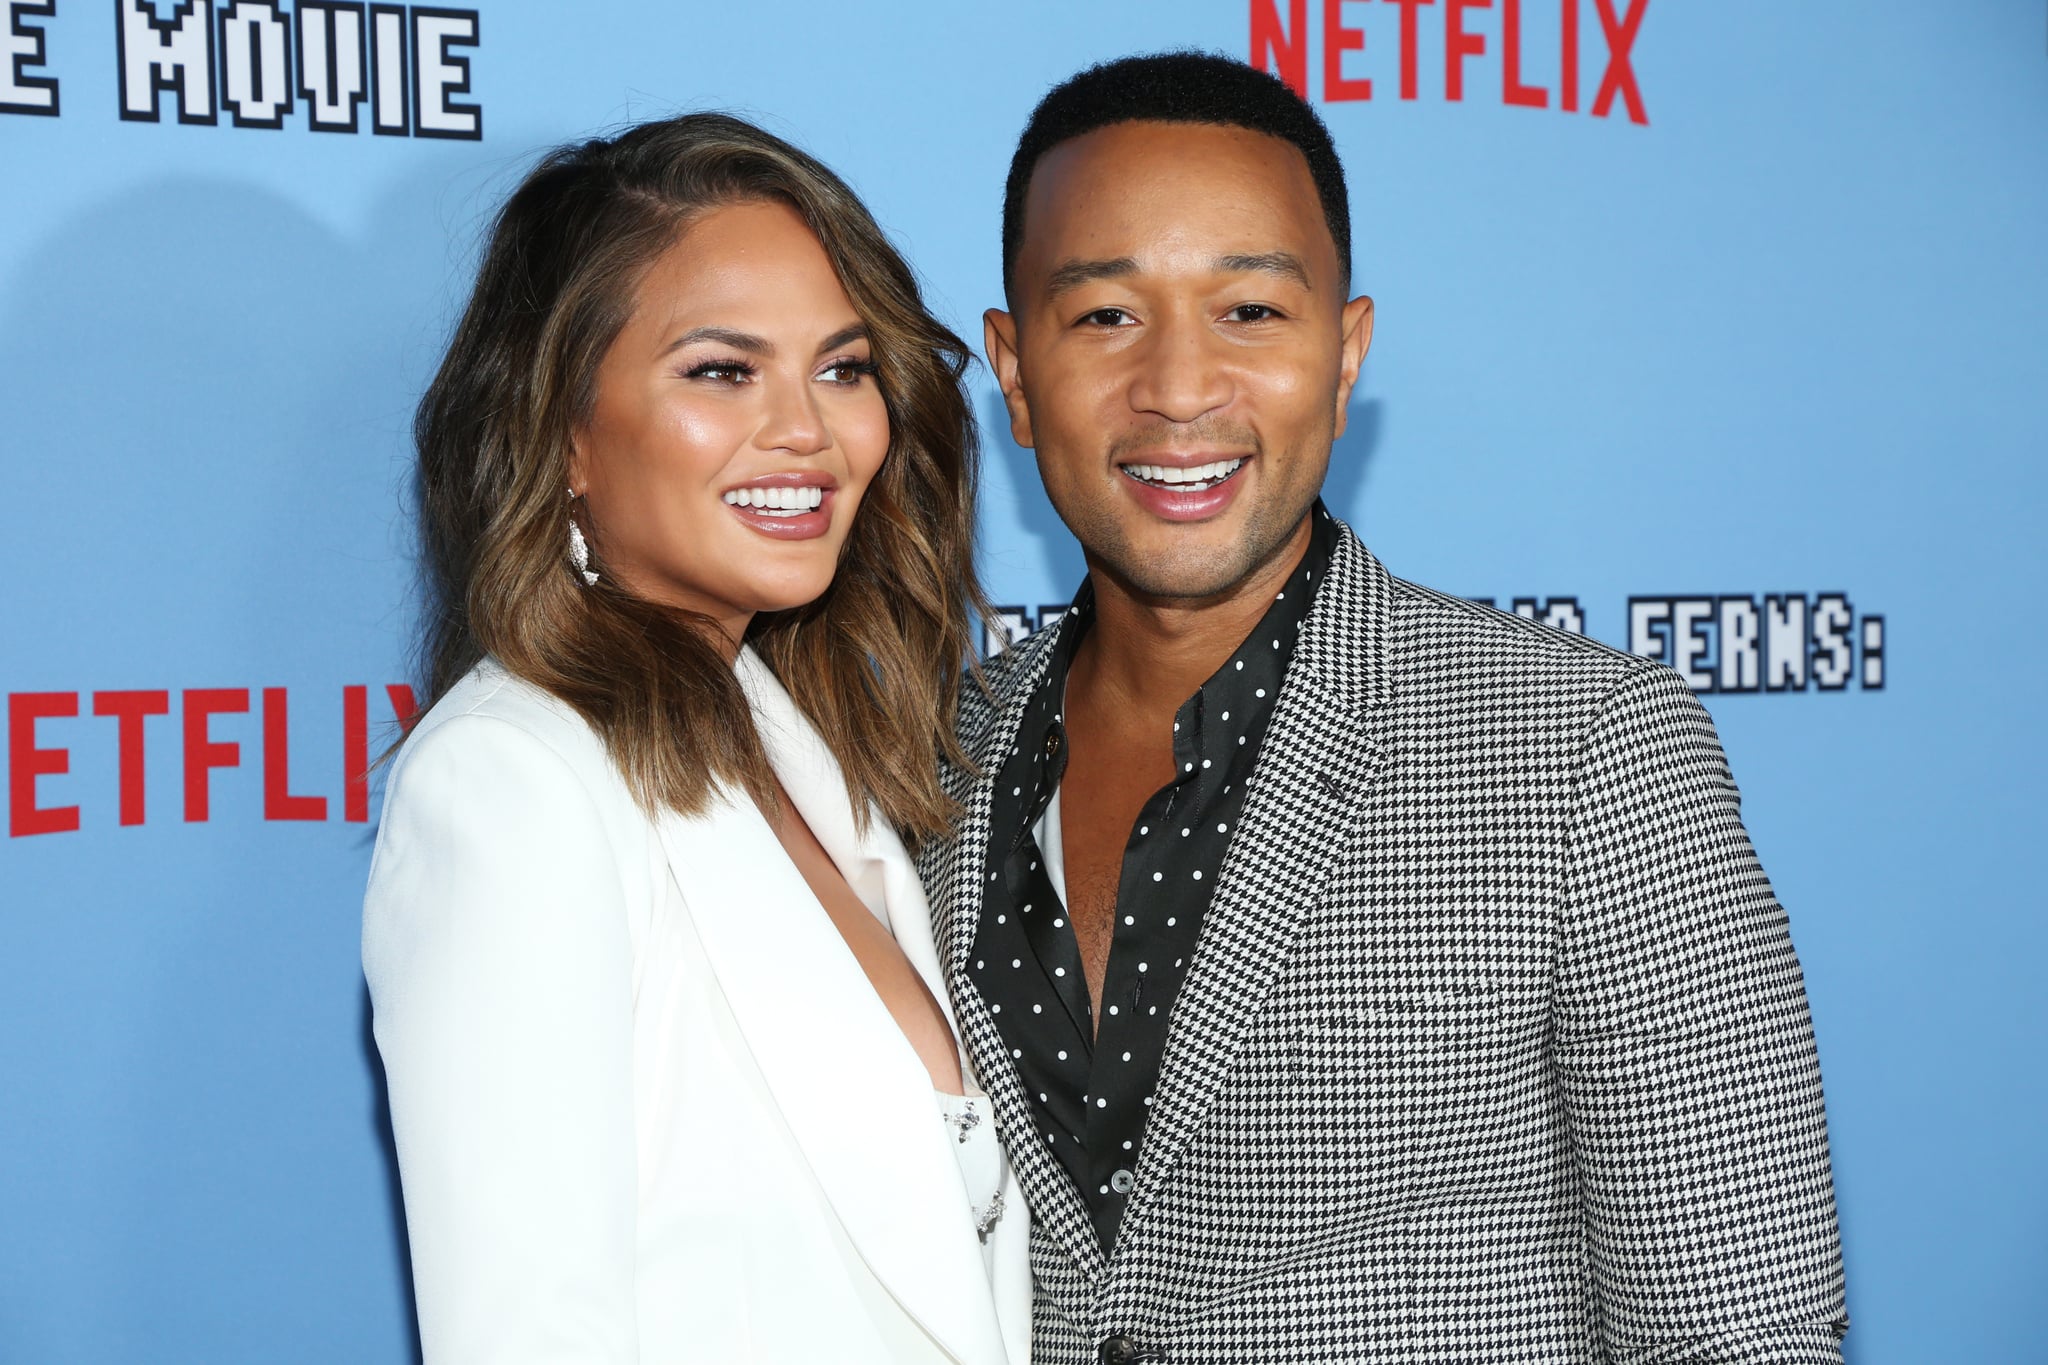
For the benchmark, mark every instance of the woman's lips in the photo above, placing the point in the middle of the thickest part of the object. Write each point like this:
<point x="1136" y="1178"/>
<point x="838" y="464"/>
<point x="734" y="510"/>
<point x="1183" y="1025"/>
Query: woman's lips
<point x="788" y="510"/>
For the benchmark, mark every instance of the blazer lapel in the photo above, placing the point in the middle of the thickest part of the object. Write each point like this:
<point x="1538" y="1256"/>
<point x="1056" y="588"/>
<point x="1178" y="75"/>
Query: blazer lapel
<point x="847" y="1082"/>
<point x="1309" y="791"/>
<point x="873" y="861"/>
<point x="959" y="886"/>
<point x="883" y="873"/>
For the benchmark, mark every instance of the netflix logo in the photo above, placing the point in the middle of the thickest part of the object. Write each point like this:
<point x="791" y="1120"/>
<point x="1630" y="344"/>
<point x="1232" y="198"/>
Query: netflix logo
<point x="42" y="728"/>
<point x="1537" y="54"/>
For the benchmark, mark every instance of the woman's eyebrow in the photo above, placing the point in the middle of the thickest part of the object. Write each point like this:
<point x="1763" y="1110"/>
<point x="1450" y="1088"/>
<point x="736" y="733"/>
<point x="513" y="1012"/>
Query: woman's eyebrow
<point x="725" y="336"/>
<point x="845" y="336"/>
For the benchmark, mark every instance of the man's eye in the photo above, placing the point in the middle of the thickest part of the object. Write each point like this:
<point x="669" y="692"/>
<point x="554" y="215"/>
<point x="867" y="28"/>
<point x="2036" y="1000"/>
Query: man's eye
<point x="1253" y="312"/>
<point x="1107" y="317"/>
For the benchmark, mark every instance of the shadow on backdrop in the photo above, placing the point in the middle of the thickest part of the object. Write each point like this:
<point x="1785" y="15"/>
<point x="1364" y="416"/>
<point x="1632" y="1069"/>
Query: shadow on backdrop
<point x="232" y="379"/>
<point x="394" y="1195"/>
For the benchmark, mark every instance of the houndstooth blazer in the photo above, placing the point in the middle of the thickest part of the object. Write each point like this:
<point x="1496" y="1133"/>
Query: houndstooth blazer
<point x="1494" y="1049"/>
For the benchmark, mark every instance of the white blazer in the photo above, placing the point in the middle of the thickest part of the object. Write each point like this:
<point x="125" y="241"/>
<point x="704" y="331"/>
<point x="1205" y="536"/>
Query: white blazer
<point x="648" y="1107"/>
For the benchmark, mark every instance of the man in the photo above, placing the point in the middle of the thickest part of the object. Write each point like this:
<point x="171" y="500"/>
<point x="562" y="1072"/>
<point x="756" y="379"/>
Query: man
<point x="1359" y="974"/>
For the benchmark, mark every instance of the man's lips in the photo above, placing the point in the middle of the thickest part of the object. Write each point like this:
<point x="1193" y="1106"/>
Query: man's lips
<point x="1185" y="491"/>
<point x="1184" y="475"/>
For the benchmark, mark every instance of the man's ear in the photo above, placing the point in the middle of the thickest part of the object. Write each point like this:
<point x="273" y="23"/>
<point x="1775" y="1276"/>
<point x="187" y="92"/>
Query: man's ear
<point x="999" y="340"/>
<point x="1357" y="324"/>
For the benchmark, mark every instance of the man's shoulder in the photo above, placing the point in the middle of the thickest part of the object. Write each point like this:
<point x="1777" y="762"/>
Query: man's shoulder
<point x="1427" y="619"/>
<point x="1449" y="651"/>
<point x="1003" y="677"/>
<point x="1414" y="643"/>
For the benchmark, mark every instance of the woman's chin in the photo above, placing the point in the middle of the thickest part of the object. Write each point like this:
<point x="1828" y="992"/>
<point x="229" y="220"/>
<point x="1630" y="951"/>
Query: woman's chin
<point x="789" y="596"/>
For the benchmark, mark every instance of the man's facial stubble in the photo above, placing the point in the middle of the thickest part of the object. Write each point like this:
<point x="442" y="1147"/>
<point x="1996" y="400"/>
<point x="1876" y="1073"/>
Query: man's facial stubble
<point x="1174" y="346"/>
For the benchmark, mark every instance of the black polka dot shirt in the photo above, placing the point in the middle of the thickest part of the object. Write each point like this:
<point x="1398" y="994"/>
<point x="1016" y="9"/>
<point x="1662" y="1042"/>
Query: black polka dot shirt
<point x="1091" y="1090"/>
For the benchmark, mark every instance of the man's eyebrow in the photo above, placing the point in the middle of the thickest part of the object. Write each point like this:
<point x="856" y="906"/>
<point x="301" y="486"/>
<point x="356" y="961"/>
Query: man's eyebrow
<point x="724" y="336"/>
<point x="1074" y="274"/>
<point x="1284" y="263"/>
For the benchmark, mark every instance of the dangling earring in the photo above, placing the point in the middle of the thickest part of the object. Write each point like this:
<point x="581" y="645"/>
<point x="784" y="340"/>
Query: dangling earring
<point x="579" y="549"/>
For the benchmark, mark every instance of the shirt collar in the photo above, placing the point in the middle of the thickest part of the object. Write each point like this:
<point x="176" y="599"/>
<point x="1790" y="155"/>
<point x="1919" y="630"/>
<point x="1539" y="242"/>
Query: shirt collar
<point x="1265" y="653"/>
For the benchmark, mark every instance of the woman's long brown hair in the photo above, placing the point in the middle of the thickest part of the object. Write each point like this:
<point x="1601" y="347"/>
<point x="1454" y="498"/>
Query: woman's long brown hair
<point x="875" y="662"/>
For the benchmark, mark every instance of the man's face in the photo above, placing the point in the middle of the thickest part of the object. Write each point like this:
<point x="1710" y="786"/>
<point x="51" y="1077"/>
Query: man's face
<point x="1181" y="353"/>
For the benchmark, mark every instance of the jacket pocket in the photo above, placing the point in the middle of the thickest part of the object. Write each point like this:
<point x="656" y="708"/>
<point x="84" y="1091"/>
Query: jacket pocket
<point x="1357" y="1033"/>
<point x="1435" y="1021"/>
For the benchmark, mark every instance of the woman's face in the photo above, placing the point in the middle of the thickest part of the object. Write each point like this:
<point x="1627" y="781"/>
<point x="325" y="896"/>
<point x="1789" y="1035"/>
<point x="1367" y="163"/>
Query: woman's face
<point x="736" y="423"/>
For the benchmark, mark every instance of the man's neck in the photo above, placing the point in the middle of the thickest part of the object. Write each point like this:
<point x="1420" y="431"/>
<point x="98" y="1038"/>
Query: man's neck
<point x="1146" y="654"/>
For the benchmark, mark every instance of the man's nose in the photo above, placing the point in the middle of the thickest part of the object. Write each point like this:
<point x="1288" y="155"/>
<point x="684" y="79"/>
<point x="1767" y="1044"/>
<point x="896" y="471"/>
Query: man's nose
<point x="1182" y="372"/>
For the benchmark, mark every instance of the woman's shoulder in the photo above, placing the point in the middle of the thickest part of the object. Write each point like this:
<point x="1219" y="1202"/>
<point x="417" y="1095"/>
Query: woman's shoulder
<point x="500" y="779"/>
<point x="490" y="708"/>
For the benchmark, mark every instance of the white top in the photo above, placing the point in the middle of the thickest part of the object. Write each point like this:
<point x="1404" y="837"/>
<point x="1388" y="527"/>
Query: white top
<point x="649" y="1109"/>
<point x="970" y="1121"/>
<point x="1052" y="846"/>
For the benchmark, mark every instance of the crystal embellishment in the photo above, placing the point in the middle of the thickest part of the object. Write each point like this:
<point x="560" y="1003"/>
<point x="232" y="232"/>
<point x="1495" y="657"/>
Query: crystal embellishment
<point x="990" y="1215"/>
<point x="964" y="1123"/>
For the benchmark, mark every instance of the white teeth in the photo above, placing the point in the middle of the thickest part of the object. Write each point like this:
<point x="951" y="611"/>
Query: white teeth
<point x="777" y="500"/>
<point x="1175" y="476"/>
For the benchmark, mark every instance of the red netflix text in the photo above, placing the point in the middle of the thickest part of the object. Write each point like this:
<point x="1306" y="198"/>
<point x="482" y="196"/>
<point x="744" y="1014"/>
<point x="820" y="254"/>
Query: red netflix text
<point x="39" y="744"/>
<point x="1483" y="41"/>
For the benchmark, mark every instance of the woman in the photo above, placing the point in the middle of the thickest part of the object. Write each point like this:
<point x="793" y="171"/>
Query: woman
<point x="672" y="1072"/>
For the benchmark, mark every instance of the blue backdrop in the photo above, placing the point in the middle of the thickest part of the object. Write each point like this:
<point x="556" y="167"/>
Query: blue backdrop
<point x="1719" y="331"/>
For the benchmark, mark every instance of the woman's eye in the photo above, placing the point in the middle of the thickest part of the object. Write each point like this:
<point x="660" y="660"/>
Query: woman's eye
<point x="1107" y="317"/>
<point x="849" y="372"/>
<point x="721" y="371"/>
<point x="1253" y="312"/>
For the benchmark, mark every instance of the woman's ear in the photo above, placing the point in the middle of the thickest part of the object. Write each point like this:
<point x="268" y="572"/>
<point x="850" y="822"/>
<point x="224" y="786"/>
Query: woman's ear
<point x="579" y="465"/>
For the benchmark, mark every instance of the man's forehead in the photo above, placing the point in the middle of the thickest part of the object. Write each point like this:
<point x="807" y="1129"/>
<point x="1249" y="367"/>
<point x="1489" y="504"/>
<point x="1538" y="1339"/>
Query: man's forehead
<point x="1144" y="188"/>
<point x="1150" y="149"/>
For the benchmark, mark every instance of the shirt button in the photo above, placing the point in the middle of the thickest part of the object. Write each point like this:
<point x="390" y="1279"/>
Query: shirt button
<point x="1122" y="1350"/>
<point x="1122" y="1182"/>
<point x="1052" y="742"/>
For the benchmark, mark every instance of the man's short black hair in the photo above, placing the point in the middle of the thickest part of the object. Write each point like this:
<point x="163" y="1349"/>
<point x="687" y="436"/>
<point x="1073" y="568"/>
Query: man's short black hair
<point x="1177" y="87"/>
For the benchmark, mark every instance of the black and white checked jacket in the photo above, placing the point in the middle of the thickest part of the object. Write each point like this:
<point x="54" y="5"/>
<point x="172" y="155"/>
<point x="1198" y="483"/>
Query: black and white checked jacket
<point x="1494" y="1047"/>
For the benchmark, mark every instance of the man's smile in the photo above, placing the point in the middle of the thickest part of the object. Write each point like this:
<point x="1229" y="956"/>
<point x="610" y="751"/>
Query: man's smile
<point x="1185" y="478"/>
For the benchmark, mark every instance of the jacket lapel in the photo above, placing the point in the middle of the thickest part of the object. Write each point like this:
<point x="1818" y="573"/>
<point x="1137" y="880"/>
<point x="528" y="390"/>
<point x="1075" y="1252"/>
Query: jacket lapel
<point x="873" y="861"/>
<point x="1309" y="791"/>
<point x="958" y="883"/>
<point x="847" y="1082"/>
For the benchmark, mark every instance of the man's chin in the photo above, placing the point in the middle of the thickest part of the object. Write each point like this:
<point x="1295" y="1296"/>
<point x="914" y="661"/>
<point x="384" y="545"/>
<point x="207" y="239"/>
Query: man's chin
<point x="1180" y="568"/>
<point x="1190" y="562"/>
